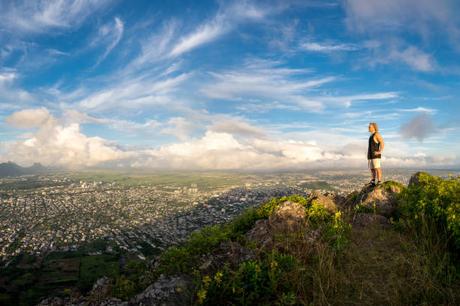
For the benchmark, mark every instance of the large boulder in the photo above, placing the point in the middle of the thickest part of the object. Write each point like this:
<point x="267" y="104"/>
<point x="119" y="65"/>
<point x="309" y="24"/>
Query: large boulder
<point x="260" y="233"/>
<point x="288" y="217"/>
<point x="166" y="290"/>
<point x="382" y="199"/>
<point x="327" y="200"/>
<point x="416" y="178"/>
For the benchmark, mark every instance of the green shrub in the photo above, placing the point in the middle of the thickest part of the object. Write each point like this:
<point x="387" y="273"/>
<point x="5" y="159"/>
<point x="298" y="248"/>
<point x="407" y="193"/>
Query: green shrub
<point x="243" y="223"/>
<point x="317" y="213"/>
<point x="124" y="288"/>
<point x="266" y="209"/>
<point x="253" y="282"/>
<point x="434" y="200"/>
<point x="338" y="232"/>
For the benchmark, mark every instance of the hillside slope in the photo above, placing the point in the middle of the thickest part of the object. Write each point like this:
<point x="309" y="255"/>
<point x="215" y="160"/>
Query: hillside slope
<point x="390" y="244"/>
<point x="12" y="169"/>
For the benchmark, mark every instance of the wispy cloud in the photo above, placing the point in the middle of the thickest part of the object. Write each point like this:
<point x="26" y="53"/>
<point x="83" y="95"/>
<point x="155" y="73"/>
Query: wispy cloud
<point x="270" y="84"/>
<point x="41" y="15"/>
<point x="419" y="110"/>
<point x="11" y="94"/>
<point x="414" y="58"/>
<point x="133" y="93"/>
<point x="109" y="34"/>
<point x="227" y="18"/>
<point x="7" y="77"/>
<point x="204" y="34"/>
<point x="401" y="15"/>
<point x="328" y="47"/>
<point x="393" y="51"/>
<point x="264" y="80"/>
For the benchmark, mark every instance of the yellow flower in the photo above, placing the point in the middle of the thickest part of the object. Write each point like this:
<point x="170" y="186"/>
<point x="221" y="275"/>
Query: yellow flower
<point x="201" y="294"/>
<point x="218" y="277"/>
<point x="206" y="280"/>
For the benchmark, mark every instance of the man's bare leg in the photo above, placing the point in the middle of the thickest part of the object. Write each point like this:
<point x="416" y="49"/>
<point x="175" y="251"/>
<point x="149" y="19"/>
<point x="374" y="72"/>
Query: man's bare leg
<point x="379" y="174"/>
<point x="373" y="172"/>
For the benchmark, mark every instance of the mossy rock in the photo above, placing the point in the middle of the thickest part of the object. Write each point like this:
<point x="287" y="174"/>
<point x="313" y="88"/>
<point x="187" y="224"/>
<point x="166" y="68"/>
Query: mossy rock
<point x="419" y="178"/>
<point x="327" y="201"/>
<point x="381" y="199"/>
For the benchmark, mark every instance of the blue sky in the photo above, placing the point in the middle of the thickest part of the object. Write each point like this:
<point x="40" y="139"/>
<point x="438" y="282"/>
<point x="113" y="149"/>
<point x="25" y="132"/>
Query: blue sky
<point x="229" y="84"/>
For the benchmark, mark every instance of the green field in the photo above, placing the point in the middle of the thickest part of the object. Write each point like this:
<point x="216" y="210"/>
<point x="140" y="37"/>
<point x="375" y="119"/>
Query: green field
<point x="28" y="279"/>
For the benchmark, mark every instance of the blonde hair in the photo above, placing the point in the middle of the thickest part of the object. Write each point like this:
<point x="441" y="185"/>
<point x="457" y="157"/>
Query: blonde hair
<point x="376" y="127"/>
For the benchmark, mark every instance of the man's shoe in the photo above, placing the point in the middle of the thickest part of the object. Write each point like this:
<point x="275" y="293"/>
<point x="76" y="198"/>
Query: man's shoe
<point x="371" y="183"/>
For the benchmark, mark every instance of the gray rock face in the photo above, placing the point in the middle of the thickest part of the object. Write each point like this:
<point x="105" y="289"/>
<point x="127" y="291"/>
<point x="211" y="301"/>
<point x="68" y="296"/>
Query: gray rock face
<point x="260" y="233"/>
<point x="415" y="179"/>
<point x="327" y="200"/>
<point x="167" y="290"/>
<point x="380" y="200"/>
<point x="288" y="217"/>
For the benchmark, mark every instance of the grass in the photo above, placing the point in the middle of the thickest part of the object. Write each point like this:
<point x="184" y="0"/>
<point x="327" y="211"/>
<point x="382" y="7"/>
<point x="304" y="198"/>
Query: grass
<point x="374" y="265"/>
<point x="385" y="267"/>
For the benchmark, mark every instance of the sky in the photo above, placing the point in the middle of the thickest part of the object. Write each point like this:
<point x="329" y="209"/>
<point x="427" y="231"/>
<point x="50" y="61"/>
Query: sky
<point x="219" y="85"/>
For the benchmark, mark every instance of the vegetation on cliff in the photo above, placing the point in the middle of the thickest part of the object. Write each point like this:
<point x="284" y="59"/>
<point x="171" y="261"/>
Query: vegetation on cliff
<point x="389" y="244"/>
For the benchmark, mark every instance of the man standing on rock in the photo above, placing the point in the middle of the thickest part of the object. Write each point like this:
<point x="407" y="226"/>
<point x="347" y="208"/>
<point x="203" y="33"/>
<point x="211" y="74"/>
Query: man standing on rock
<point x="374" y="153"/>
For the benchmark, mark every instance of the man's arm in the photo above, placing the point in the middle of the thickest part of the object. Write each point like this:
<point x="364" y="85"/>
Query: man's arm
<point x="381" y="142"/>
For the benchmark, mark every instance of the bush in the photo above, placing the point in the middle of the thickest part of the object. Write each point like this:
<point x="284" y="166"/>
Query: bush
<point x="266" y="209"/>
<point x="124" y="288"/>
<point x="434" y="200"/>
<point x="253" y="282"/>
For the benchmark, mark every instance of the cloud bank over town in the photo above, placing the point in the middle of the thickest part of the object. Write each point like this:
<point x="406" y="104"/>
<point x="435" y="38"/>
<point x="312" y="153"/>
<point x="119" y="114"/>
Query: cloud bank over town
<point x="217" y="85"/>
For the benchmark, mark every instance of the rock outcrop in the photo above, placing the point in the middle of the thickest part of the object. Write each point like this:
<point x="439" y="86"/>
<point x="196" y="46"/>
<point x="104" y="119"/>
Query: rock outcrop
<point x="415" y="179"/>
<point x="329" y="201"/>
<point x="380" y="199"/>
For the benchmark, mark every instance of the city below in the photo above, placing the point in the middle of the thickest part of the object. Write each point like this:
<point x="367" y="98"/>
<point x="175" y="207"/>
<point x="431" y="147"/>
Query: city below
<point x="143" y="214"/>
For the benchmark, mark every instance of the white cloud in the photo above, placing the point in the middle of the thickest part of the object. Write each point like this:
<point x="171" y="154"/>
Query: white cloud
<point x="419" y="109"/>
<point x="393" y="51"/>
<point x="237" y="126"/>
<point x="41" y="15"/>
<point x="7" y="77"/>
<point x="400" y="15"/>
<point x="327" y="47"/>
<point x="110" y="35"/>
<point x="414" y="58"/>
<point x="227" y="143"/>
<point x="57" y="144"/>
<point x="223" y="151"/>
<point x="132" y="93"/>
<point x="149" y="126"/>
<point x="10" y="93"/>
<point x="203" y="34"/>
<point x="224" y="21"/>
<point x="264" y="80"/>
<point x="179" y="127"/>
<point x="269" y="84"/>
<point x="29" y="118"/>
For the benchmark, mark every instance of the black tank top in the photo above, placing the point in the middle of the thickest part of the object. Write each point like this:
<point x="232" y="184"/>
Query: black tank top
<point x="373" y="146"/>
